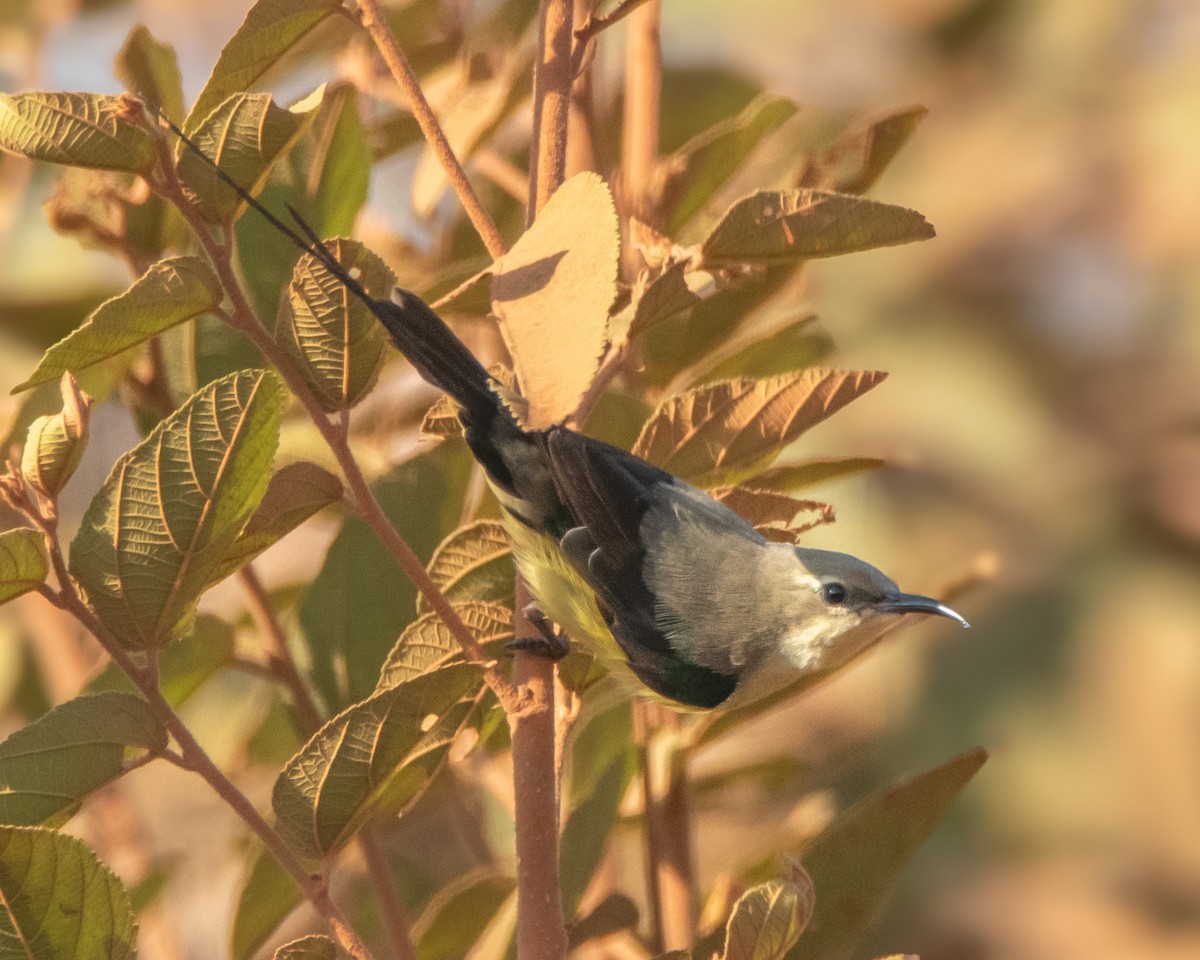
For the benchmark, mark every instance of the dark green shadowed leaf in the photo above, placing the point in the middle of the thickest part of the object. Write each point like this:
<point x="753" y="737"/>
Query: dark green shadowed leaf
<point x="23" y="562"/>
<point x="854" y="862"/>
<point x="58" y="901"/>
<point x="427" y="642"/>
<point x="459" y="913"/>
<point x="339" y="343"/>
<point x="875" y="147"/>
<point x="244" y="136"/>
<point x="373" y="758"/>
<point x="698" y="169"/>
<point x="268" y="897"/>
<point x="768" y="919"/>
<point x="270" y="30"/>
<point x="614" y="913"/>
<point x="473" y="563"/>
<point x="169" y="293"/>
<point x="151" y="70"/>
<point x="172" y="508"/>
<point x="312" y="947"/>
<point x="48" y="767"/>
<point x="779" y="226"/>
<point x="75" y="129"/>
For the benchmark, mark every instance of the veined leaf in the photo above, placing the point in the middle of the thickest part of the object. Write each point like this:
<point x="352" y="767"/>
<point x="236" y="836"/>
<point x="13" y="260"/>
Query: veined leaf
<point x="457" y="915"/>
<point x="427" y="642"/>
<point x="313" y="947"/>
<point x="778" y="226"/>
<point x="737" y="424"/>
<point x="55" y="443"/>
<point x="552" y="292"/>
<point x="698" y="169"/>
<point x="373" y="757"/>
<point x="169" y="293"/>
<point x="49" y="766"/>
<point x="150" y="70"/>
<point x="75" y="129"/>
<point x="271" y="29"/>
<point x="768" y="919"/>
<point x="23" y="562"/>
<point x="807" y="473"/>
<point x="441" y="419"/>
<point x="269" y="895"/>
<point x="773" y="514"/>
<point x="473" y="563"/>
<point x="172" y="508"/>
<point x="57" y="900"/>
<point x="244" y="136"/>
<point x="666" y="294"/>
<point x="338" y="341"/>
<point x="295" y="493"/>
<point x="854" y="862"/>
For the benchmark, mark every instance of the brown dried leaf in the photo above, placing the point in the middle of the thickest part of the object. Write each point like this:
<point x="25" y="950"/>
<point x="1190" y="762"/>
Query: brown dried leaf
<point x="736" y="425"/>
<point x="774" y="514"/>
<point x="552" y="293"/>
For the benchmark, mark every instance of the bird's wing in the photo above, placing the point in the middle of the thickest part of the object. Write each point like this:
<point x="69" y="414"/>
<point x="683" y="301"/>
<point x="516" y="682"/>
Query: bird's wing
<point x="607" y="493"/>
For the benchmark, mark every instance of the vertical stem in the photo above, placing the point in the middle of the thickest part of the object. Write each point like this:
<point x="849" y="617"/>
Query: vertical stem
<point x="551" y="102"/>
<point x="651" y="829"/>
<point x="643" y="93"/>
<point x="672" y="808"/>
<point x="375" y="854"/>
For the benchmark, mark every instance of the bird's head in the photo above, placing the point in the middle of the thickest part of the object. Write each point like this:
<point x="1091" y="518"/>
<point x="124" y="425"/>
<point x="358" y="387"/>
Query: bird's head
<point x="847" y="604"/>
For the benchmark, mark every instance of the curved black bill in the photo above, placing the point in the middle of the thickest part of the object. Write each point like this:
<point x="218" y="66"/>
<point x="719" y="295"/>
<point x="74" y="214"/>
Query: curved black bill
<point x="915" y="603"/>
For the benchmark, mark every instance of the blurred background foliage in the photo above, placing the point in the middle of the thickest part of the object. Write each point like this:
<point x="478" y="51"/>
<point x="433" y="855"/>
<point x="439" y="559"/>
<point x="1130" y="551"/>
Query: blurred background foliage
<point x="1041" y="425"/>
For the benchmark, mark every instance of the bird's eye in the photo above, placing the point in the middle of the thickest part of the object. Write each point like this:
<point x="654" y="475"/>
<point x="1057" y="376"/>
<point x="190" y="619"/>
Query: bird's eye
<point x="833" y="593"/>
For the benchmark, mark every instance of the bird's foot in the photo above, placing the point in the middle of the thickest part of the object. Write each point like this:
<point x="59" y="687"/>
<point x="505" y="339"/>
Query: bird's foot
<point x="549" y="643"/>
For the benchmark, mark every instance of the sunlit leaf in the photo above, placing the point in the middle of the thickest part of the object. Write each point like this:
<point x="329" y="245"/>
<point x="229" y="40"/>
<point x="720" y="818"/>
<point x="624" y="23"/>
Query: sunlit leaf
<point x="778" y="226"/>
<point x="427" y="642"/>
<point x="737" y="424"/>
<point x="49" y="766"/>
<point x="775" y="515"/>
<point x="57" y="900"/>
<point x="151" y="70"/>
<point x="372" y="758"/>
<point x="169" y="293"/>
<point x="768" y="919"/>
<point x="459" y="913"/>
<point x="55" y="443"/>
<point x="694" y="172"/>
<point x="473" y="563"/>
<point x="666" y="293"/>
<point x="441" y="419"/>
<point x="244" y="136"/>
<point x="172" y="508"/>
<point x="270" y="30"/>
<point x="269" y="895"/>
<point x="23" y="562"/>
<point x="75" y="129"/>
<point x="552" y="293"/>
<point x="295" y="493"/>
<point x="854" y="862"/>
<point x="313" y="947"/>
<point x="807" y="473"/>
<point x="339" y="343"/>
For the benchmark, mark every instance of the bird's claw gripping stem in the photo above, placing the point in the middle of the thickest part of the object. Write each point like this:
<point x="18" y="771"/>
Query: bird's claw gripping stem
<point x="549" y="643"/>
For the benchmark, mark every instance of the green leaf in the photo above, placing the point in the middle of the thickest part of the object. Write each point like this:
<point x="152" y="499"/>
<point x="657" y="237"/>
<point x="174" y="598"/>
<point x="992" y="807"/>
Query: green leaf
<point x="792" y="345"/>
<point x="172" y="508"/>
<point x="372" y="759"/>
<point x="473" y="563"/>
<point x="295" y="493"/>
<point x="23" y="562"/>
<point x="735" y="425"/>
<point x="151" y="70"/>
<point x="876" y="147"/>
<point x="808" y="473"/>
<point x="268" y="897"/>
<point x="427" y="642"/>
<point x="459" y="913"/>
<point x="312" y="947"/>
<point x="768" y="919"/>
<point x="270" y="30"/>
<point x="351" y="621"/>
<point x="169" y="293"/>
<point x="244" y="136"/>
<point x="49" y="766"/>
<point x="55" y="443"/>
<point x="552" y="292"/>
<point x="57" y="900"/>
<point x="779" y="226"/>
<point x="337" y="340"/>
<point x="698" y="169"/>
<point x="75" y="129"/>
<point x="184" y="666"/>
<point x="854" y="862"/>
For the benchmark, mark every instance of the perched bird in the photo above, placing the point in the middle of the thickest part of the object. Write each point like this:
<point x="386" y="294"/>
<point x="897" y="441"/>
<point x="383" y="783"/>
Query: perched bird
<point x="647" y="572"/>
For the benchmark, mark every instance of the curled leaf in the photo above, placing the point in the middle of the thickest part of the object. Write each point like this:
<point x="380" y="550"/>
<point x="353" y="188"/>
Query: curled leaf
<point x="312" y="947"/>
<point x="768" y="919"/>
<point x="55" y="443"/>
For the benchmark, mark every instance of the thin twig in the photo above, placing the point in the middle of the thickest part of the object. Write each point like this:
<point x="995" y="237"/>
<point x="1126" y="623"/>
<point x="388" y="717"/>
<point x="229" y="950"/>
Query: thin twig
<point x="378" y="869"/>
<point x="593" y="27"/>
<point x="375" y="24"/>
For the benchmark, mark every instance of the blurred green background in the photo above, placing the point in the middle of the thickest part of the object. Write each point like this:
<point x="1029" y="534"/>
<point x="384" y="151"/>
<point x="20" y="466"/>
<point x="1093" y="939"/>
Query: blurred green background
<point x="1041" y="423"/>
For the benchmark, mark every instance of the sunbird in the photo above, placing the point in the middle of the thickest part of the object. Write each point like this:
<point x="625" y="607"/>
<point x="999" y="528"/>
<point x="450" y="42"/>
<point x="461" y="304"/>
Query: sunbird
<point x="649" y="573"/>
